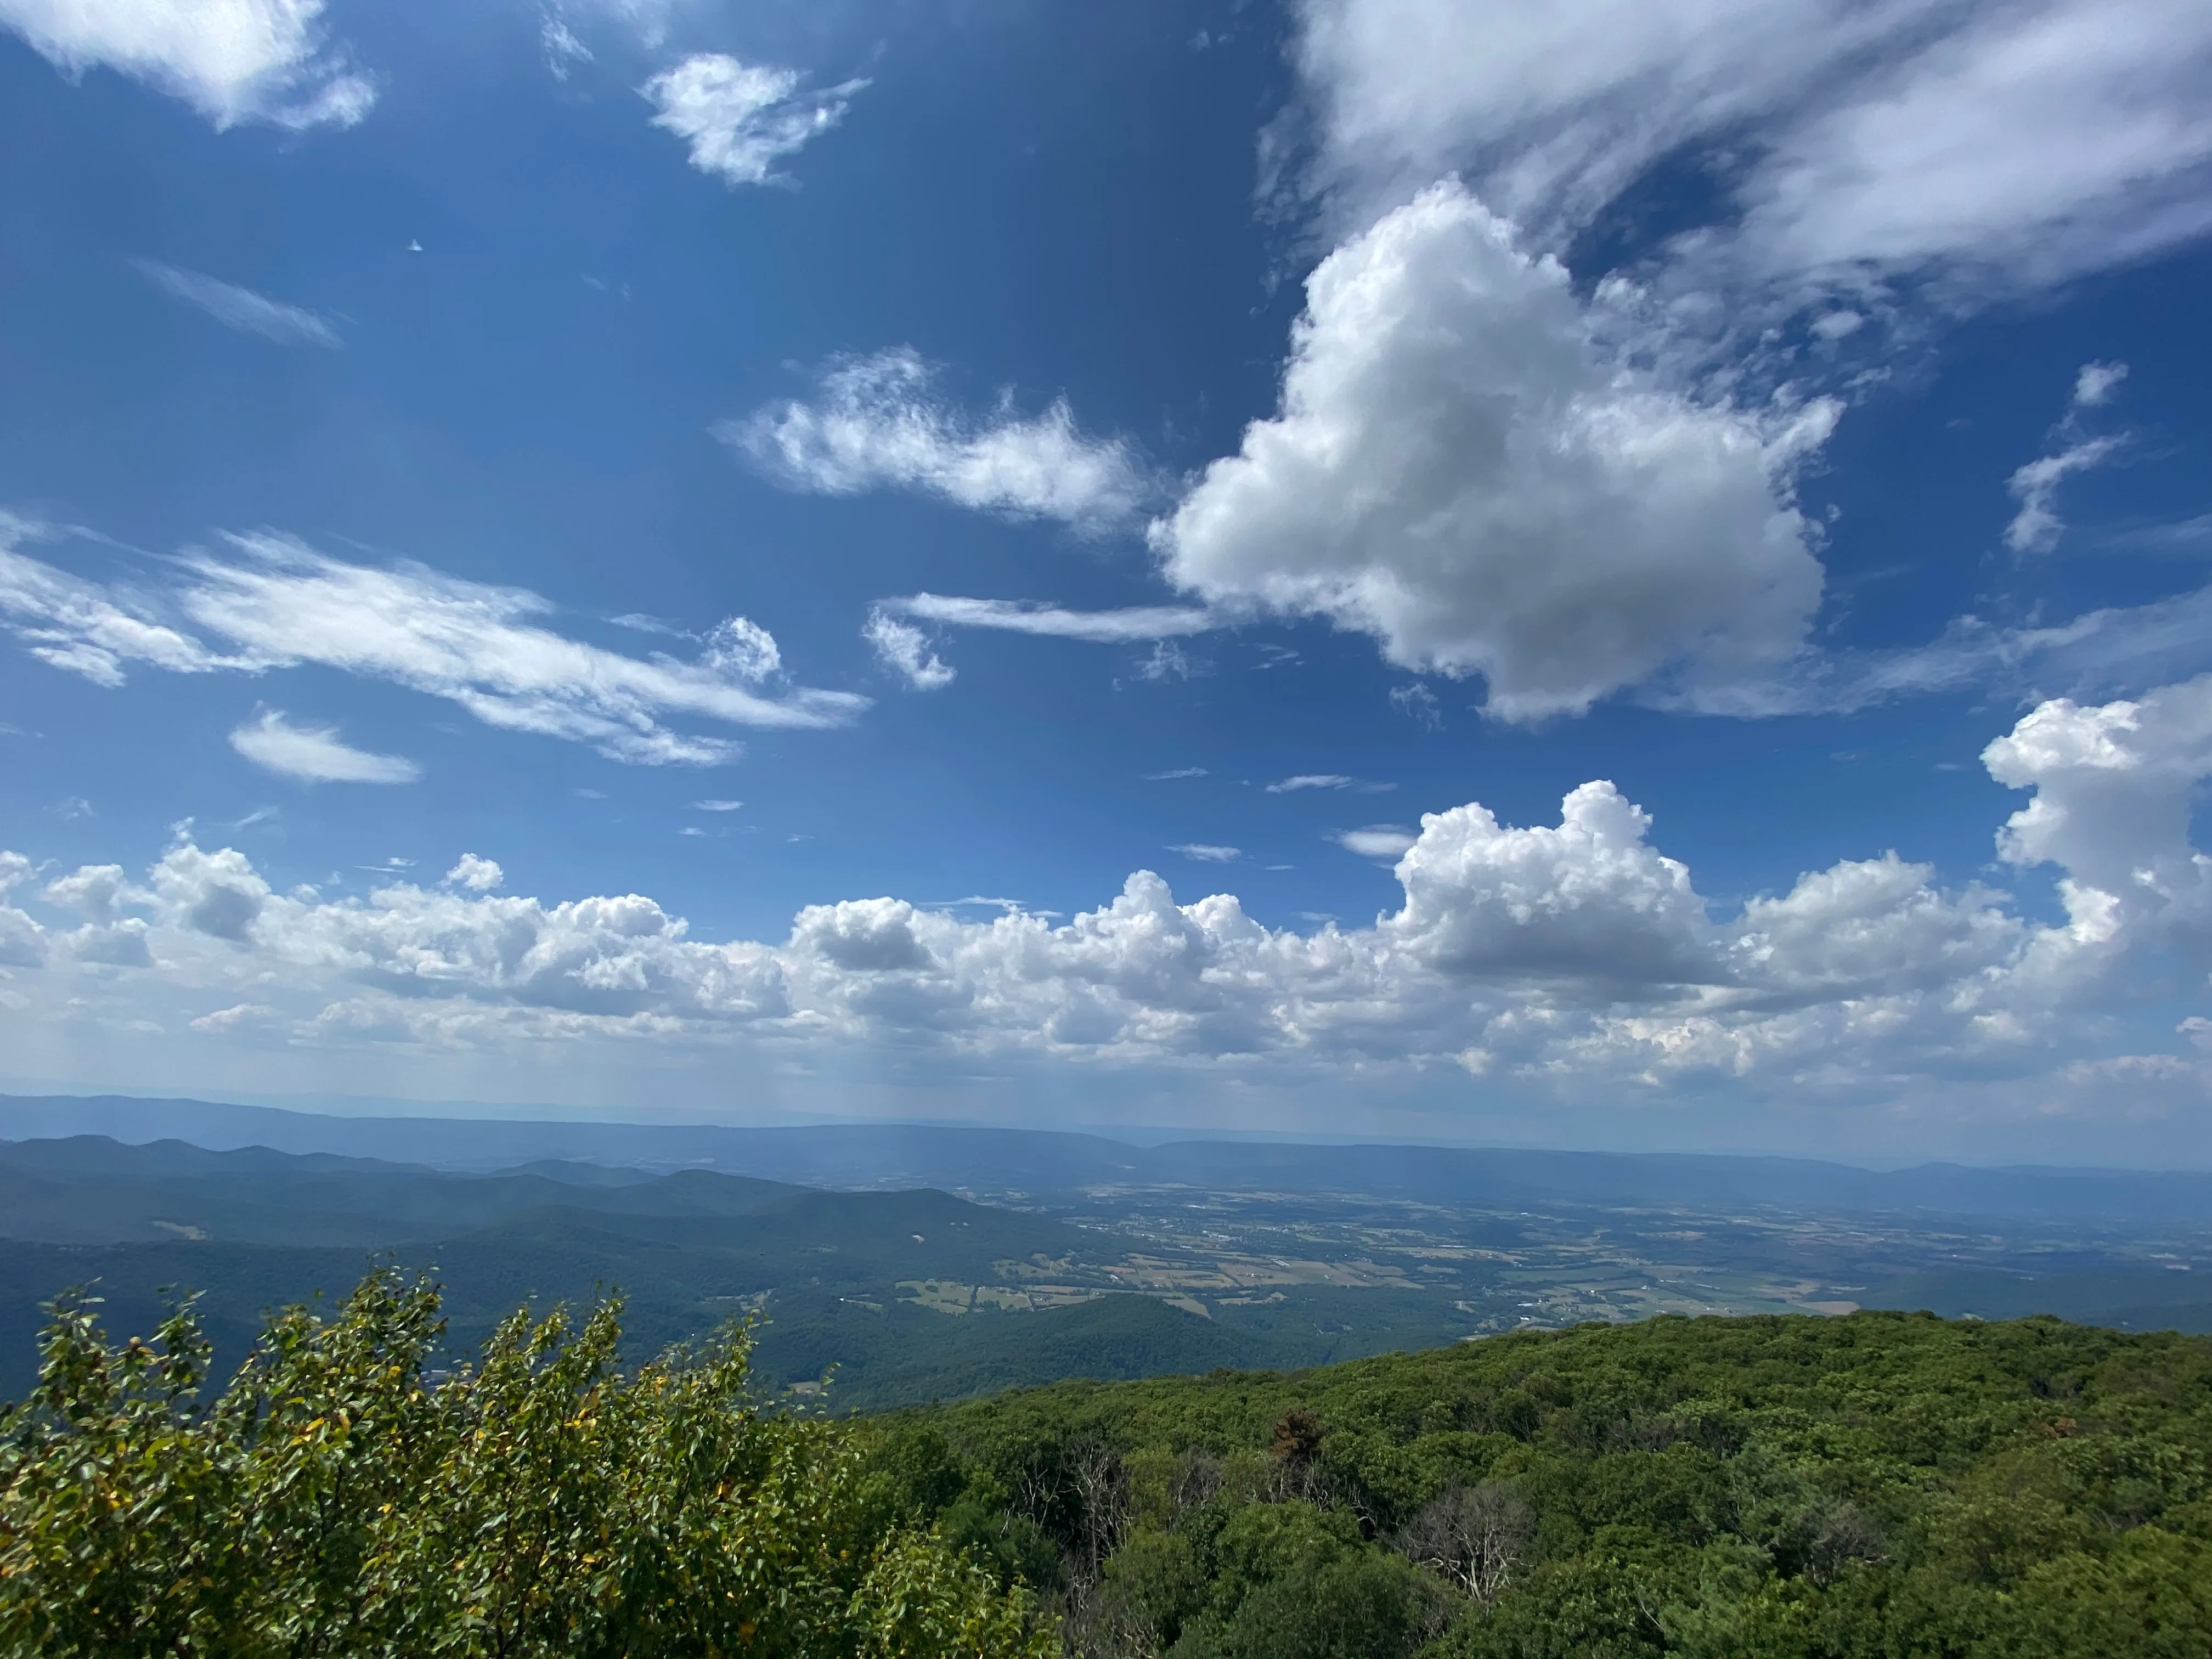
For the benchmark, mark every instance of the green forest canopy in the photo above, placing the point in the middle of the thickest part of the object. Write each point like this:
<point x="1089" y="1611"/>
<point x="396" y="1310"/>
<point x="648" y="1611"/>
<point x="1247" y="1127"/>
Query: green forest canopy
<point x="1884" y="1485"/>
<point x="1880" y="1486"/>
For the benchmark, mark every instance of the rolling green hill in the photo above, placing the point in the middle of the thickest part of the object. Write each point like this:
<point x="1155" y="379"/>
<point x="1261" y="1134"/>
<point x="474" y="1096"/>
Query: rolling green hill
<point x="2139" y="1301"/>
<point x="831" y="1272"/>
<point x="906" y="1296"/>
<point x="903" y="1355"/>
<point x="252" y="1229"/>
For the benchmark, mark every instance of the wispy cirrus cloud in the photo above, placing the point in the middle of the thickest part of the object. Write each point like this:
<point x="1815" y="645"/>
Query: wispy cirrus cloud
<point x="1418" y="704"/>
<point x="1376" y="841"/>
<point x="1208" y="851"/>
<point x="2095" y="383"/>
<point x="2098" y="652"/>
<point x="241" y="308"/>
<point x="877" y="424"/>
<point x="277" y="603"/>
<point x="1009" y="907"/>
<point x="90" y="627"/>
<point x="1292" y="785"/>
<point x="906" y="651"/>
<point x="223" y="1021"/>
<point x="1168" y="661"/>
<point x="2184" y="536"/>
<point x="2037" y="527"/>
<point x="315" y="753"/>
<point x="1131" y="624"/>
<point x="2007" y="144"/>
<point x="561" y="45"/>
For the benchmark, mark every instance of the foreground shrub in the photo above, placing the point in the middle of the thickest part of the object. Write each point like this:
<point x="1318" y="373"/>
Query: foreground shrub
<point x="340" y="1498"/>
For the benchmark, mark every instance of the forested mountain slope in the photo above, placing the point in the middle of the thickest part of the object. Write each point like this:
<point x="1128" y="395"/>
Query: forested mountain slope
<point x="89" y="1189"/>
<point x="1874" y="1486"/>
<point x="1770" y="1488"/>
<point x="250" y="1230"/>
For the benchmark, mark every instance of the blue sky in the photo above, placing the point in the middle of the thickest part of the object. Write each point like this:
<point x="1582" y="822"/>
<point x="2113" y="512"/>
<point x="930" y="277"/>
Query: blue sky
<point x="677" y="558"/>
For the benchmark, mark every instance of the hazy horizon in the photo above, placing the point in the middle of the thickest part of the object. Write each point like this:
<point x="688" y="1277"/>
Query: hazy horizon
<point x="391" y="1109"/>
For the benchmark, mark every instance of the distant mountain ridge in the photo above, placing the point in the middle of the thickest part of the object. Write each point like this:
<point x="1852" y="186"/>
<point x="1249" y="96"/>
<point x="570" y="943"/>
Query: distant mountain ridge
<point x="91" y="1189"/>
<point x="252" y="1228"/>
<point x="896" y="1154"/>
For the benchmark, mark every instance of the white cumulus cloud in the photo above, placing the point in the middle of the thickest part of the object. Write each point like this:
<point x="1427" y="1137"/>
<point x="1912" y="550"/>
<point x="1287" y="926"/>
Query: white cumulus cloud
<point x="22" y="941"/>
<point x="477" y="875"/>
<point x="92" y="890"/>
<point x="233" y="60"/>
<point x="877" y="424"/>
<point x="1574" y="956"/>
<point x="2115" y="786"/>
<point x="1590" y="899"/>
<point x="1458" y="470"/>
<point x="744" y="650"/>
<point x="740" y="120"/>
<point x="1870" y="927"/>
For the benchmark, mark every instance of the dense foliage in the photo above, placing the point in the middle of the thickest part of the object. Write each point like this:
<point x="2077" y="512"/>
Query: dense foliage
<point x="1881" y="1486"/>
<point x="340" y="1498"/>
